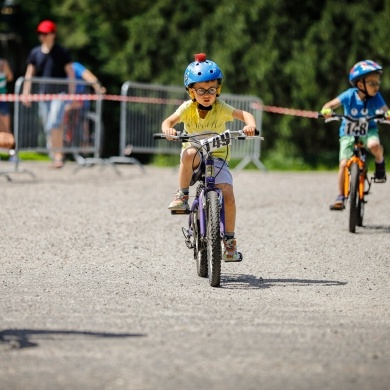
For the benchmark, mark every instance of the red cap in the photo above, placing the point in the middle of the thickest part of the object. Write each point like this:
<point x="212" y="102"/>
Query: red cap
<point x="46" y="27"/>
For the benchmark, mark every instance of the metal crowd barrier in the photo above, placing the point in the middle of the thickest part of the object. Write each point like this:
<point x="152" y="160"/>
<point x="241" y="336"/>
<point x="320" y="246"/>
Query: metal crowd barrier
<point x="80" y="119"/>
<point x="145" y="106"/>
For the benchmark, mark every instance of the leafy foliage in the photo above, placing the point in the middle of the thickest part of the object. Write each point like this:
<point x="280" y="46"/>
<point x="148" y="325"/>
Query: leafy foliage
<point x="293" y="54"/>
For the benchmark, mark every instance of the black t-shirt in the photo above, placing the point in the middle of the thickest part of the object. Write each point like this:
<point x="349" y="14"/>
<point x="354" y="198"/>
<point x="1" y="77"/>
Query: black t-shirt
<point x="51" y="65"/>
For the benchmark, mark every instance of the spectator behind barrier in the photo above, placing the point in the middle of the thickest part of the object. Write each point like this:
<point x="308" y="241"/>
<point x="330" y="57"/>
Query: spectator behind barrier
<point x="49" y="59"/>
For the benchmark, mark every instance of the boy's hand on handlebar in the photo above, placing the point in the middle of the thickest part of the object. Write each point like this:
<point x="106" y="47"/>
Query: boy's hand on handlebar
<point x="326" y="112"/>
<point x="387" y="115"/>
<point x="169" y="131"/>
<point x="249" y="130"/>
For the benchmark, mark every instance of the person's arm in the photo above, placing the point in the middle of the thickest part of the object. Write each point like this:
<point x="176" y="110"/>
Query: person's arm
<point x="8" y="72"/>
<point x="330" y="106"/>
<point x="70" y="73"/>
<point x="30" y="71"/>
<point x="167" y="125"/>
<point x="249" y="120"/>
<point x="89" y="77"/>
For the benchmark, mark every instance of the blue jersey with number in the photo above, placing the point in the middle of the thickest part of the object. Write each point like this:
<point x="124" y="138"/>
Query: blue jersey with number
<point x="354" y="107"/>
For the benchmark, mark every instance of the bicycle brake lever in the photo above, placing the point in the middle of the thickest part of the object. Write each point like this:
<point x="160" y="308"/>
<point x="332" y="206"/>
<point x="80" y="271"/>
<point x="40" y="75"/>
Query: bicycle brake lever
<point x="332" y="119"/>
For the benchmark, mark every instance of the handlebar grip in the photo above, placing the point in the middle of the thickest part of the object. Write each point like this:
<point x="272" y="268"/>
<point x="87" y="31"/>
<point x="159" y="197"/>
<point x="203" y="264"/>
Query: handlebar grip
<point x="158" y="136"/>
<point x="243" y="136"/>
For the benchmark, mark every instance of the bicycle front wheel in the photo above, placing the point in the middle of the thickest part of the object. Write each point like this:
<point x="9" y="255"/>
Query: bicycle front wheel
<point x="214" y="249"/>
<point x="361" y="202"/>
<point x="354" y="198"/>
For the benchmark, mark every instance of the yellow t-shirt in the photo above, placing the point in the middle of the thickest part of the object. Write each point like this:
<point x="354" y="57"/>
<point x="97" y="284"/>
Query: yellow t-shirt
<point x="215" y="120"/>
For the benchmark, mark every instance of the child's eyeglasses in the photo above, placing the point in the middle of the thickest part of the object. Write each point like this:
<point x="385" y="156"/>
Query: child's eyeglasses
<point x="374" y="83"/>
<point x="202" y="91"/>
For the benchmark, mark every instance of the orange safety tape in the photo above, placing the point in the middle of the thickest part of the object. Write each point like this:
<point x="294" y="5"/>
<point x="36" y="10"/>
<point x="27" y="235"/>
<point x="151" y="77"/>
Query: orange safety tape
<point x="135" y="99"/>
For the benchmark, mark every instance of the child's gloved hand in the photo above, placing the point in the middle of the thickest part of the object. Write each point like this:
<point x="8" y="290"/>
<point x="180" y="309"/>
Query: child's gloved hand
<point x="326" y="112"/>
<point x="387" y="115"/>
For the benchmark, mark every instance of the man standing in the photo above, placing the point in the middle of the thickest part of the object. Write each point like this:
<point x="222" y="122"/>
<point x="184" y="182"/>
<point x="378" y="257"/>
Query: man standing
<point x="50" y="60"/>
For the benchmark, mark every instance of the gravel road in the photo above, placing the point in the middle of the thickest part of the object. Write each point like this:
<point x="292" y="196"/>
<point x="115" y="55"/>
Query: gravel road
<point x="99" y="291"/>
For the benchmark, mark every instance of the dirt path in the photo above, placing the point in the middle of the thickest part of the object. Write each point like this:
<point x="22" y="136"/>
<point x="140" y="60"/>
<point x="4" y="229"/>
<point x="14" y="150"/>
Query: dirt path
<point x="98" y="290"/>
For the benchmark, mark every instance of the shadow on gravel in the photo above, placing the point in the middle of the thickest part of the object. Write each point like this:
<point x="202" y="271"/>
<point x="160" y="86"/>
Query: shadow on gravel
<point x="253" y="282"/>
<point x="376" y="228"/>
<point x="20" y="338"/>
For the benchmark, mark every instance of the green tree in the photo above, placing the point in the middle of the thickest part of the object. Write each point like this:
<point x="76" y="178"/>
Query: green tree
<point x="294" y="54"/>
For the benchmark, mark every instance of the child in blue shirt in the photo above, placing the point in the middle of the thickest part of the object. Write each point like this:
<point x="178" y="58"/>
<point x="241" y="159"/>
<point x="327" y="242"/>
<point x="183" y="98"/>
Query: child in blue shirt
<point x="364" y="99"/>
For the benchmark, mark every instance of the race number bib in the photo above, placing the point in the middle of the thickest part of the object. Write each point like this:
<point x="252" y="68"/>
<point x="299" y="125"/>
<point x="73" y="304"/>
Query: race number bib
<point x="357" y="129"/>
<point x="216" y="142"/>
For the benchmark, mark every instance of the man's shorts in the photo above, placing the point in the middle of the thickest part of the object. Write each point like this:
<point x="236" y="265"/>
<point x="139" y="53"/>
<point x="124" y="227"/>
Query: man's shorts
<point x="4" y="108"/>
<point x="347" y="142"/>
<point x="52" y="113"/>
<point x="221" y="169"/>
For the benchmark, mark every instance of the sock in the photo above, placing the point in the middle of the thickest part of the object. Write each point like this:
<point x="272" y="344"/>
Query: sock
<point x="229" y="235"/>
<point x="185" y="191"/>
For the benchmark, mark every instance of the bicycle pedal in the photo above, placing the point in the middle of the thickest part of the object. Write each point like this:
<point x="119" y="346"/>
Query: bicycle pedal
<point x="189" y="244"/>
<point x="180" y="212"/>
<point x="337" y="208"/>
<point x="187" y="238"/>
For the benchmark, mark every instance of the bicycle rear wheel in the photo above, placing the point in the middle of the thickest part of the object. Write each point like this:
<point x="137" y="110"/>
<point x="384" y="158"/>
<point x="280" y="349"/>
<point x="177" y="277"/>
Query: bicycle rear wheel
<point x="200" y="250"/>
<point x="354" y="198"/>
<point x="214" y="249"/>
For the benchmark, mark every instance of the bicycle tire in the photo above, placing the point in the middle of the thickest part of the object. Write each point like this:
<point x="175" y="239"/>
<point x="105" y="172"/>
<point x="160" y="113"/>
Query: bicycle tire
<point x="200" y="250"/>
<point x="362" y="201"/>
<point x="353" y="197"/>
<point x="360" y="212"/>
<point x="214" y="248"/>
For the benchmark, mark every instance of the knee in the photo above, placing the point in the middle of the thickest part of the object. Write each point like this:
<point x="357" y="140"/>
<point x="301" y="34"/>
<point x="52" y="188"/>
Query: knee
<point x="189" y="156"/>
<point x="375" y="148"/>
<point x="342" y="164"/>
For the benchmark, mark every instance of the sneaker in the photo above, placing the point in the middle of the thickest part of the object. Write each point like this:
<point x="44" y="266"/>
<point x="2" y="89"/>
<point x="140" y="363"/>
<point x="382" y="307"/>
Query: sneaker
<point x="180" y="202"/>
<point x="230" y="253"/>
<point x="380" y="172"/>
<point x="338" y="203"/>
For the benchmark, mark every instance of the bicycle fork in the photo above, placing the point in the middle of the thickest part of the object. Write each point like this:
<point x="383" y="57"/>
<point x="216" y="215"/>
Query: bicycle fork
<point x="362" y="178"/>
<point x="198" y="210"/>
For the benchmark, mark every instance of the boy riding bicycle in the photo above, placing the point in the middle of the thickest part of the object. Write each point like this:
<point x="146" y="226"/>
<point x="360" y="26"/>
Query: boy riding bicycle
<point x="203" y="113"/>
<point x="364" y="99"/>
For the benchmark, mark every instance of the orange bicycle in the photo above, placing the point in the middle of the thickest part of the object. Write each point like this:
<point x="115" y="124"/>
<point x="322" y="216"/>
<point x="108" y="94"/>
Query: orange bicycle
<point x="357" y="184"/>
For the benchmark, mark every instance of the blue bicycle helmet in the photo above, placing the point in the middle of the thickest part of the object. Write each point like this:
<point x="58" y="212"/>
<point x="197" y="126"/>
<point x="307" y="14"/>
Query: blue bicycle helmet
<point x="362" y="69"/>
<point x="201" y="70"/>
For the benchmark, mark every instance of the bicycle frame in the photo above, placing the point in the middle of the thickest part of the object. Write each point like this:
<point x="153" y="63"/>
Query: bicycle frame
<point x="359" y="159"/>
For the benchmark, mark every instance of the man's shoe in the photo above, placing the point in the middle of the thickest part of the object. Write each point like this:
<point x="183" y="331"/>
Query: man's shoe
<point x="380" y="172"/>
<point x="180" y="202"/>
<point x="338" y="203"/>
<point x="230" y="254"/>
